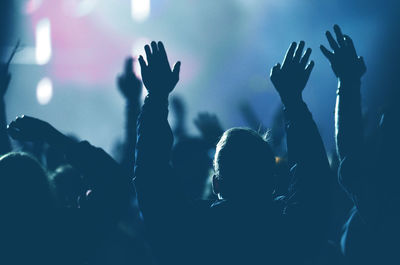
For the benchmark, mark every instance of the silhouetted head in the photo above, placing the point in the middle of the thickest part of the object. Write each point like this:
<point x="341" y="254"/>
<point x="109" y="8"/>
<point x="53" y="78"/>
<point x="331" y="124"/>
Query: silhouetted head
<point x="244" y="165"/>
<point x="24" y="186"/>
<point x="68" y="184"/>
<point x="26" y="211"/>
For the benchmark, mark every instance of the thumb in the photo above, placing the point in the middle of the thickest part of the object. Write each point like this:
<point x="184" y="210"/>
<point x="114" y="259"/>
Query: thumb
<point x="176" y="71"/>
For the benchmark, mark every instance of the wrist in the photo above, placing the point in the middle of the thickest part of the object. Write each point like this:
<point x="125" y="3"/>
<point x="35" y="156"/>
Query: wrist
<point x="349" y="81"/>
<point x="290" y="102"/>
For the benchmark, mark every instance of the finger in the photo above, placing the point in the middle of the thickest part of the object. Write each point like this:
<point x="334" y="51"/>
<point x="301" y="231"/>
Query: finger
<point x="177" y="69"/>
<point x="276" y="69"/>
<point x="161" y="50"/>
<point x="332" y="42"/>
<point x="13" y="132"/>
<point x="350" y="44"/>
<point x="309" y="69"/>
<point x="154" y="48"/>
<point x="364" y="66"/>
<point x="306" y="56"/>
<point x="142" y="63"/>
<point x="148" y="53"/>
<point x="327" y="53"/>
<point x="128" y="68"/>
<point x="289" y="54"/>
<point x="299" y="52"/>
<point x="339" y="36"/>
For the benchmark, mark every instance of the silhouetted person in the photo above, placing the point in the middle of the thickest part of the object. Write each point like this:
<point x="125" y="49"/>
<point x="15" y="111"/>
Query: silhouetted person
<point x="68" y="185"/>
<point x="246" y="225"/>
<point x="5" y="78"/>
<point x="368" y="174"/>
<point x="130" y="87"/>
<point x="75" y="233"/>
<point x="27" y="212"/>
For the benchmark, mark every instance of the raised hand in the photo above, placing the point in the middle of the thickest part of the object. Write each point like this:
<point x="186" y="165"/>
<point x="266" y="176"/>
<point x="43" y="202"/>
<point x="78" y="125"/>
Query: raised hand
<point x="129" y="84"/>
<point x="209" y="126"/>
<point x="291" y="78"/>
<point x="157" y="75"/>
<point x="345" y="63"/>
<point x="25" y="128"/>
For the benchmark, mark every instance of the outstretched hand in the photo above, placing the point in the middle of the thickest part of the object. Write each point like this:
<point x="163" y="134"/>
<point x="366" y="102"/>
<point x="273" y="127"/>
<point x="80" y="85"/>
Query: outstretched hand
<point x="209" y="126"/>
<point x="129" y="84"/>
<point x="345" y="63"/>
<point x="291" y="78"/>
<point x="157" y="75"/>
<point x="25" y="128"/>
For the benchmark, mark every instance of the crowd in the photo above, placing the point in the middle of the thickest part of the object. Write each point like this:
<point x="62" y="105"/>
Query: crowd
<point x="235" y="196"/>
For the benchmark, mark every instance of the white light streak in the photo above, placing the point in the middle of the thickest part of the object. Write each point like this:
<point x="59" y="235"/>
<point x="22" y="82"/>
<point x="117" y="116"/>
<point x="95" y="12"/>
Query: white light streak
<point x="43" y="42"/>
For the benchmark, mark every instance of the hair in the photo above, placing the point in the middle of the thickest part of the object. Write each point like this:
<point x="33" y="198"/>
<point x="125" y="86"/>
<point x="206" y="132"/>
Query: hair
<point x="244" y="164"/>
<point x="23" y="183"/>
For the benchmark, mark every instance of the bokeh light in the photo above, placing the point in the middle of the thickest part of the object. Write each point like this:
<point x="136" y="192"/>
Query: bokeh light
<point x="140" y="10"/>
<point x="43" y="41"/>
<point x="44" y="91"/>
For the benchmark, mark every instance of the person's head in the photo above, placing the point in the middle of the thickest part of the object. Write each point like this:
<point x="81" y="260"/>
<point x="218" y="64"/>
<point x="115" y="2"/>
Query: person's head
<point x="244" y="165"/>
<point x="68" y="185"/>
<point x="26" y="208"/>
<point x="24" y="185"/>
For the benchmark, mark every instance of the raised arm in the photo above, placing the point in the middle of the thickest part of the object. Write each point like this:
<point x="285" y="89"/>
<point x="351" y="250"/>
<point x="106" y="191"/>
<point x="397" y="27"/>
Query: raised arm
<point x="104" y="176"/>
<point x="155" y="183"/>
<point x="349" y="68"/>
<point x="307" y="200"/>
<point x="305" y="146"/>
<point x="5" y="78"/>
<point x="130" y="87"/>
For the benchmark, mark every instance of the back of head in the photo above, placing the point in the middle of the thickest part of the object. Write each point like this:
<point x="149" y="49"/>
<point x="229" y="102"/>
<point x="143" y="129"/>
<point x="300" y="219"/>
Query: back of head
<point x="24" y="185"/>
<point x="244" y="165"/>
<point x="26" y="210"/>
<point x="68" y="185"/>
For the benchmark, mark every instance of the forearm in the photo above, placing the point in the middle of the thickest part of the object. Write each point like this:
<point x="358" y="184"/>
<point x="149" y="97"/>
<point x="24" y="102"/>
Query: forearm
<point x="154" y="141"/>
<point x="348" y="120"/>
<point x="131" y="113"/>
<point x="305" y="146"/>
<point x="5" y="144"/>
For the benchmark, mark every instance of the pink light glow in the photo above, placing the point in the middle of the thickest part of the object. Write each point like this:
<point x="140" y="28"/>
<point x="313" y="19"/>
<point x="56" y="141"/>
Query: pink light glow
<point x="82" y="52"/>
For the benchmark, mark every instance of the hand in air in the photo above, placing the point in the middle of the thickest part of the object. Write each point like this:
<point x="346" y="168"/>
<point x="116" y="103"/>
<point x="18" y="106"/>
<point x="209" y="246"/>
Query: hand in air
<point x="129" y="84"/>
<point x="291" y="77"/>
<point x="157" y="76"/>
<point x="345" y="62"/>
<point x="25" y="128"/>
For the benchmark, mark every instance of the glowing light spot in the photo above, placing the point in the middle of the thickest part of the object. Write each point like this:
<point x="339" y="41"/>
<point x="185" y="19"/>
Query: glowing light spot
<point x="140" y="9"/>
<point x="43" y="42"/>
<point x="44" y="91"/>
<point x="32" y="5"/>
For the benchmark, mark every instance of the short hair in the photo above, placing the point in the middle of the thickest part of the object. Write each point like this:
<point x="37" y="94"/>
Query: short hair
<point x="23" y="179"/>
<point x="244" y="162"/>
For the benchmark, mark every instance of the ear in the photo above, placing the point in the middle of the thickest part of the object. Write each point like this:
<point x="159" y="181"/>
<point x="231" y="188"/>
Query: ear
<point x="215" y="184"/>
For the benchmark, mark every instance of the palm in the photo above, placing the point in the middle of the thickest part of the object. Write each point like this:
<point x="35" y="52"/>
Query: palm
<point x="128" y="83"/>
<point x="291" y="78"/>
<point x="343" y="58"/>
<point x="157" y="75"/>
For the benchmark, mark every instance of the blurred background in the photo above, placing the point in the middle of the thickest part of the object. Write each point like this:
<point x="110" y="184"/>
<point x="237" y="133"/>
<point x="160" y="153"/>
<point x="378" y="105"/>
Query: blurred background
<point x="72" y="50"/>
